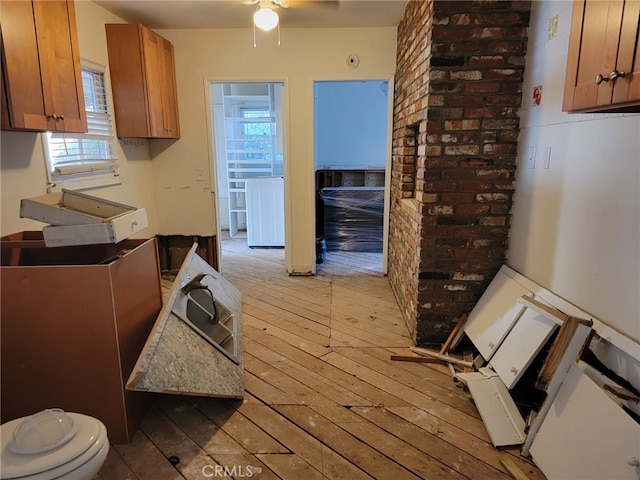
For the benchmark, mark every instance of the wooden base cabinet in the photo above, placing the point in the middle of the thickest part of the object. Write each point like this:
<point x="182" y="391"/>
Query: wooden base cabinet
<point x="74" y="321"/>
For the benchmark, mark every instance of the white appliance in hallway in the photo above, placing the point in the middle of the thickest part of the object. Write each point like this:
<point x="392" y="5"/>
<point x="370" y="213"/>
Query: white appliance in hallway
<point x="265" y="211"/>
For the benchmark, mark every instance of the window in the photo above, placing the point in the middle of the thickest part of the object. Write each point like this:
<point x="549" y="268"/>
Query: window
<point x="257" y="135"/>
<point x="85" y="160"/>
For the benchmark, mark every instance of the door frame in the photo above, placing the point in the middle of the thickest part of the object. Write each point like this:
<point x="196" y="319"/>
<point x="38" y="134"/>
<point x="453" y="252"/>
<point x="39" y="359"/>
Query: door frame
<point x="213" y="165"/>
<point x="387" y="172"/>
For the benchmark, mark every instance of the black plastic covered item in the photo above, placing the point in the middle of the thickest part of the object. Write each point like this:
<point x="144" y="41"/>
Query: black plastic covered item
<point x="353" y="218"/>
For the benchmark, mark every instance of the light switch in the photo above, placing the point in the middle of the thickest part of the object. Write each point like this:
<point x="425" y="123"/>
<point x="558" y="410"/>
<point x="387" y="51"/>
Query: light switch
<point x="199" y="175"/>
<point x="530" y="160"/>
<point x="546" y="160"/>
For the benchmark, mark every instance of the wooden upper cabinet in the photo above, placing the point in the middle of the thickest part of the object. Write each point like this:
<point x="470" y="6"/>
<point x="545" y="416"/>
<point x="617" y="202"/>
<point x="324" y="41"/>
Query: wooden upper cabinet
<point x="41" y="73"/>
<point x="141" y="64"/>
<point x="603" y="65"/>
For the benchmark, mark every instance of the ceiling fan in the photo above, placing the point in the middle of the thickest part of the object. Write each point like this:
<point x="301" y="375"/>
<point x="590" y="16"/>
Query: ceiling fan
<point x="266" y="18"/>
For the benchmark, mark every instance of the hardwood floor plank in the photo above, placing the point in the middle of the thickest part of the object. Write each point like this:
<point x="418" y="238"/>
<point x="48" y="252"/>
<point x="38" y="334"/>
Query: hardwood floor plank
<point x="310" y="330"/>
<point x="266" y="392"/>
<point x="173" y="442"/>
<point x="370" y="317"/>
<point x="435" y="445"/>
<point x="346" y="380"/>
<point x="289" y="335"/>
<point x="365" y="331"/>
<point x="357" y="452"/>
<point x="145" y="460"/>
<point x="317" y="302"/>
<point x="306" y="446"/>
<point x="294" y="286"/>
<point x="292" y="308"/>
<point x="425" y="372"/>
<point x="435" y="407"/>
<point x="226" y="416"/>
<point x="290" y="466"/>
<point x="342" y="339"/>
<point x="323" y="399"/>
<point x="405" y="454"/>
<point x="115" y="467"/>
<point x="399" y="449"/>
<point x="271" y="313"/>
<point x="242" y="466"/>
<point x="458" y="436"/>
<point x="459" y="400"/>
<point x="206" y="434"/>
<point x="319" y="388"/>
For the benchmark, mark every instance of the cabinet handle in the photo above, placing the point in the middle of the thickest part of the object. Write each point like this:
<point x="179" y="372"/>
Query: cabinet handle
<point x="56" y="117"/>
<point x="616" y="74"/>
<point x="601" y="78"/>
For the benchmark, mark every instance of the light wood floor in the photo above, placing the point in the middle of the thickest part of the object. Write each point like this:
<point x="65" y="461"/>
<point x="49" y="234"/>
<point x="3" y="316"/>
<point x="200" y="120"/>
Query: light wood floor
<point x="323" y="399"/>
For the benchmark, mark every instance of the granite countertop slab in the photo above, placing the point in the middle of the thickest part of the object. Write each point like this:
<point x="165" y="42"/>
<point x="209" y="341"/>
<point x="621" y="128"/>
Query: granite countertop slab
<point x="178" y="360"/>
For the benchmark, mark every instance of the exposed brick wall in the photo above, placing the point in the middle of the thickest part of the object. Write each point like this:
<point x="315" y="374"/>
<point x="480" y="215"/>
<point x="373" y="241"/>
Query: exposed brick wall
<point x="458" y="82"/>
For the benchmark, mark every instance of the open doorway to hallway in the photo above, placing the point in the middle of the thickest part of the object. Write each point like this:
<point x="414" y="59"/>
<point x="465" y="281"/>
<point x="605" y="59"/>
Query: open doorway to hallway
<point x="249" y="155"/>
<point x="351" y="132"/>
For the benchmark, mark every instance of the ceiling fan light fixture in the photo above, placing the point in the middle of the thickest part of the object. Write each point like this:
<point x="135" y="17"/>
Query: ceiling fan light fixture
<point x="265" y="18"/>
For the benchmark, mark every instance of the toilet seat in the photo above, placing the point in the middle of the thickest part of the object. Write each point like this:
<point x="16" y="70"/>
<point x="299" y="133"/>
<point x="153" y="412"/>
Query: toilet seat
<point x="88" y="442"/>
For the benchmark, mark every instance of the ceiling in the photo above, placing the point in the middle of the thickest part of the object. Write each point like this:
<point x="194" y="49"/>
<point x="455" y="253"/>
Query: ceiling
<point x="167" y="14"/>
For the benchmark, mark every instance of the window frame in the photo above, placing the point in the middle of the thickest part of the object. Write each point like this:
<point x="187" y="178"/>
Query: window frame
<point x="101" y="173"/>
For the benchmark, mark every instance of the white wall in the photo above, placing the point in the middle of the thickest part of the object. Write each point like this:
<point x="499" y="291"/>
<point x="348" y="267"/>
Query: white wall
<point x="576" y="225"/>
<point x="228" y="55"/>
<point x="22" y="167"/>
<point x="351" y="125"/>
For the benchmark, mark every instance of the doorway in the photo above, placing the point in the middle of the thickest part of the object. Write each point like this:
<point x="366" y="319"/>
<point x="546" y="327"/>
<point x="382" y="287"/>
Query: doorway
<point x="248" y="148"/>
<point x="351" y="151"/>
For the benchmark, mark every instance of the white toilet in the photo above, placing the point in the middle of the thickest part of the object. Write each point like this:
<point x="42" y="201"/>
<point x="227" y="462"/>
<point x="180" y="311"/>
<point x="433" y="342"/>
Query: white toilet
<point x="52" y="444"/>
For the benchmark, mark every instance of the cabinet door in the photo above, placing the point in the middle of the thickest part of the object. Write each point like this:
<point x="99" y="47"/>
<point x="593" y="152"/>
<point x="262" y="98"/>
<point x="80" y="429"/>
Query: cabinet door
<point x="586" y="435"/>
<point x="21" y="68"/>
<point x="603" y="40"/>
<point x="160" y="79"/>
<point x="126" y="65"/>
<point x="169" y="100"/>
<point x="41" y="67"/>
<point x="627" y="89"/>
<point x="60" y="66"/>
<point x="495" y="313"/>
<point x="152" y="67"/>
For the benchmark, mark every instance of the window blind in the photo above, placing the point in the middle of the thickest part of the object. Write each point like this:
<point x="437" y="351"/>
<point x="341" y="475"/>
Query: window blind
<point x="91" y="152"/>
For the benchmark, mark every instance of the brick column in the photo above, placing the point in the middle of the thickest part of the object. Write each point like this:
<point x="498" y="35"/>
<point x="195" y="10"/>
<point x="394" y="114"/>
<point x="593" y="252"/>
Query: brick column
<point x="457" y="97"/>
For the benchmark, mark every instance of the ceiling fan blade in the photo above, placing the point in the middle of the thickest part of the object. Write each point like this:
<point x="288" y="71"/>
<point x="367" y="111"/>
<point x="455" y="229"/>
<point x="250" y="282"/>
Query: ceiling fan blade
<point x="314" y="3"/>
<point x="250" y="2"/>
